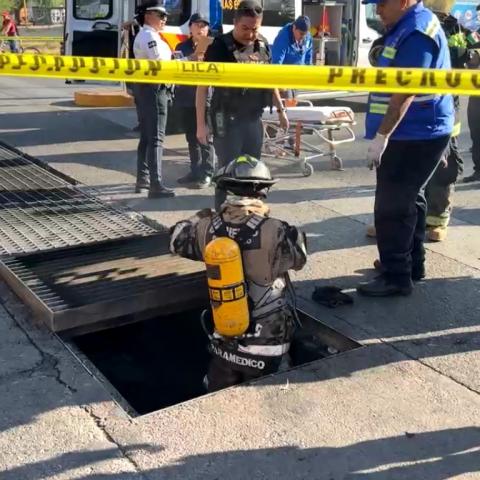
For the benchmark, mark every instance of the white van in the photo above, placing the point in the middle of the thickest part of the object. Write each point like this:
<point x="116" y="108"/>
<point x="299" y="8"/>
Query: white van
<point x="92" y="27"/>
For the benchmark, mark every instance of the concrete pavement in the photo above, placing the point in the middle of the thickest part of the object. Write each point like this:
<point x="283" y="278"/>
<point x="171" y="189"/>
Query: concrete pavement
<point x="406" y="406"/>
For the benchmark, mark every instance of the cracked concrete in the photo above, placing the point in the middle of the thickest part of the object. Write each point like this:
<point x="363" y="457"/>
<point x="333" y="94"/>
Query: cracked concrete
<point x="406" y="406"/>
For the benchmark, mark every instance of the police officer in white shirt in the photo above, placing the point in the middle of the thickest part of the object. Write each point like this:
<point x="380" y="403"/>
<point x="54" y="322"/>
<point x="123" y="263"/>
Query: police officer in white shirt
<point x="151" y="101"/>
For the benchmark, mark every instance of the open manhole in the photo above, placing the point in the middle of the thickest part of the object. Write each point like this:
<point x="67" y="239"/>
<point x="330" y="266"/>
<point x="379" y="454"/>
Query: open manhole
<point x="162" y="361"/>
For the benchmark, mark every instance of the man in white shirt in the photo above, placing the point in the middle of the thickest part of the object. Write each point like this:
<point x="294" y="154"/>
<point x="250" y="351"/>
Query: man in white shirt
<point x="151" y="101"/>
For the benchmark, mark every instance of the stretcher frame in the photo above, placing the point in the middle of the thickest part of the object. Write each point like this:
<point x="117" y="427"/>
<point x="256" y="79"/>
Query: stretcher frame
<point x="301" y="150"/>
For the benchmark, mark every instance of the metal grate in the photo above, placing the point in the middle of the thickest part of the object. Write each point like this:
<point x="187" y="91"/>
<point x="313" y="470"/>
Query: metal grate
<point x="40" y="210"/>
<point x="18" y="173"/>
<point x="82" y="285"/>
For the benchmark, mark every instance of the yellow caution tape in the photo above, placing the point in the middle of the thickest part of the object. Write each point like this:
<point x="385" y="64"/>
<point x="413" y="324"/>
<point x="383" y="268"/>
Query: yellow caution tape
<point x="32" y="39"/>
<point x="389" y="80"/>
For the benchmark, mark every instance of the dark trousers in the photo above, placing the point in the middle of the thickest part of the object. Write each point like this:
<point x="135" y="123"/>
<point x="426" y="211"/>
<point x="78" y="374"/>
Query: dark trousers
<point x="442" y="185"/>
<point x="201" y="164"/>
<point x="152" y="109"/>
<point x="400" y="205"/>
<point x="242" y="136"/>
<point x="473" y="115"/>
<point x="221" y="375"/>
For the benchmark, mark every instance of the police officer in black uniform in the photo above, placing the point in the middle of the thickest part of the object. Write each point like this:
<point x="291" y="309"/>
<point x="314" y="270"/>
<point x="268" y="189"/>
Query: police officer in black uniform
<point x="235" y="113"/>
<point x="152" y="101"/>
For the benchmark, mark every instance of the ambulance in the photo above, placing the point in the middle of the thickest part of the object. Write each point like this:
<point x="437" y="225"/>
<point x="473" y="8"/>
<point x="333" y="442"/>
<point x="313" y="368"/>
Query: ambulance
<point x="343" y="30"/>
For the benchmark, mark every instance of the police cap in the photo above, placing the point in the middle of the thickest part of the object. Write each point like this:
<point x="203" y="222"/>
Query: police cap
<point x="152" y="5"/>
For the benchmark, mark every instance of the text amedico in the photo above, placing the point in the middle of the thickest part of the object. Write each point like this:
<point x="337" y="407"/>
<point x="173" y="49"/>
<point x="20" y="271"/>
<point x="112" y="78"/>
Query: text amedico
<point x="390" y="80"/>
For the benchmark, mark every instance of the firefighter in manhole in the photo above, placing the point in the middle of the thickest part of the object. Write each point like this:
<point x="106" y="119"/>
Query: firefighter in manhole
<point x="248" y="255"/>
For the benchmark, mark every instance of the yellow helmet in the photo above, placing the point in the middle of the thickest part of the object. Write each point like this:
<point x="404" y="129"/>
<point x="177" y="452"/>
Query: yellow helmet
<point x="444" y="6"/>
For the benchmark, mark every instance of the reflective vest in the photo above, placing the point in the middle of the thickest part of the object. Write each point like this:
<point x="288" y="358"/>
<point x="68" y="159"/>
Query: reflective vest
<point x="429" y="116"/>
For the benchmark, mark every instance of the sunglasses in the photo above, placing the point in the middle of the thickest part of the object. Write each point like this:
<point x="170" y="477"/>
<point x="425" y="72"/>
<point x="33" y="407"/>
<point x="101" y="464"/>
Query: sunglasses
<point x="160" y="15"/>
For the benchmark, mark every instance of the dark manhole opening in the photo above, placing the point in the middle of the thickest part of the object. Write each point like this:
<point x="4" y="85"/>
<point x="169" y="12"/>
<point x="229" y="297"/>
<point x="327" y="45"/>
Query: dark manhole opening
<point x="162" y="361"/>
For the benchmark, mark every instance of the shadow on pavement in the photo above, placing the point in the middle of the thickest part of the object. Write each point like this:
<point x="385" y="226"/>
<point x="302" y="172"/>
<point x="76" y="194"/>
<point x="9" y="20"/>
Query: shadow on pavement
<point x="433" y="455"/>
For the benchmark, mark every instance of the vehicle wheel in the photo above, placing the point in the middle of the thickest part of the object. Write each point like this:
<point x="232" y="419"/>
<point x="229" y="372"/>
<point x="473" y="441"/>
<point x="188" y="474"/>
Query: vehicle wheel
<point x="307" y="170"/>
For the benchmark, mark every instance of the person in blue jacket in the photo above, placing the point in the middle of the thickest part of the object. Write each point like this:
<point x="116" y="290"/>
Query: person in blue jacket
<point x="293" y="45"/>
<point x="408" y="135"/>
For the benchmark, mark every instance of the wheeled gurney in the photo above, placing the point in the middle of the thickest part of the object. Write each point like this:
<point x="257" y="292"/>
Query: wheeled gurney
<point x="321" y="122"/>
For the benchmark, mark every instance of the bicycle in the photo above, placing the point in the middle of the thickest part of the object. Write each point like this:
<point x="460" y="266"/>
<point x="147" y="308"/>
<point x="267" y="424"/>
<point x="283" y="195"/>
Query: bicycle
<point x="5" y="47"/>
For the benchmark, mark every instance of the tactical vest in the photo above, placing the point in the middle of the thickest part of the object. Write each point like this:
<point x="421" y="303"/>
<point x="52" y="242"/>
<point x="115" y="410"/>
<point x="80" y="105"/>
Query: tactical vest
<point x="238" y="101"/>
<point x="429" y="116"/>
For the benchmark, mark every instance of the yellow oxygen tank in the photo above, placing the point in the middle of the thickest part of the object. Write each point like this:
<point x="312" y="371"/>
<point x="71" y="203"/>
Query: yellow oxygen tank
<point x="226" y="287"/>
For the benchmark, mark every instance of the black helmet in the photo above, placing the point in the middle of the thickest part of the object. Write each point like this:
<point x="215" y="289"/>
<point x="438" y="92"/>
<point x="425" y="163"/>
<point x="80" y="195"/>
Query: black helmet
<point x="245" y="176"/>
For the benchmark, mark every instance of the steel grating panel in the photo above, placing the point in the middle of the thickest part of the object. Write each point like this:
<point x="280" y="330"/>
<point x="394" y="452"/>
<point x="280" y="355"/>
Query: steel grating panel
<point x="18" y="174"/>
<point x="81" y="286"/>
<point x="40" y="210"/>
<point x="20" y="171"/>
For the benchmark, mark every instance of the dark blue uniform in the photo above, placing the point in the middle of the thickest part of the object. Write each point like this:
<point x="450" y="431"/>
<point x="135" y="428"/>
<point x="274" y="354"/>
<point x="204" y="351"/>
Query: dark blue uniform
<point x="414" y="150"/>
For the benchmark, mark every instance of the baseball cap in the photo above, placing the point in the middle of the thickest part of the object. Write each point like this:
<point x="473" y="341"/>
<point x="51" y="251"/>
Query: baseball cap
<point x="302" y="23"/>
<point x="198" y="18"/>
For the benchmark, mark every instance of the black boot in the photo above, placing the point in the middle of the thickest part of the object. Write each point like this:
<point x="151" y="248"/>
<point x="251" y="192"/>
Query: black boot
<point x="418" y="272"/>
<point x="188" y="178"/>
<point x="142" y="186"/>
<point x="475" y="177"/>
<point x="160" y="191"/>
<point x="204" y="182"/>
<point x="381" y="287"/>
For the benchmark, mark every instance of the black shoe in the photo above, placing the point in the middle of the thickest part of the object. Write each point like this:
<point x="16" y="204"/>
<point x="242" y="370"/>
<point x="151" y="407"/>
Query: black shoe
<point x="188" y="178"/>
<point x="418" y="273"/>
<point x="475" y="177"/>
<point x="161" y="192"/>
<point x="380" y="287"/>
<point x="142" y="187"/>
<point x="205" y="182"/>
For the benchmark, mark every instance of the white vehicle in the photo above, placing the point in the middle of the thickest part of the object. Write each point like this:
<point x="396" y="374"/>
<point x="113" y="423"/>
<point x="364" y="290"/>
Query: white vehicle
<point x="93" y="27"/>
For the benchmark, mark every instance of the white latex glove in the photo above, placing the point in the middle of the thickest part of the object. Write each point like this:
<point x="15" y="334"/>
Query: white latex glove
<point x="375" y="150"/>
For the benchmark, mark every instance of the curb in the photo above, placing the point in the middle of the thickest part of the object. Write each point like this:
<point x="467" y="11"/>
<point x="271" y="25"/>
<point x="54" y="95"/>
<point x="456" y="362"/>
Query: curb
<point x="103" y="98"/>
